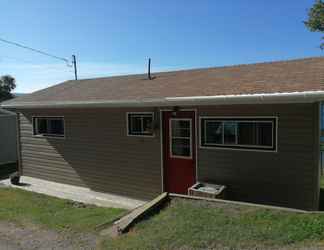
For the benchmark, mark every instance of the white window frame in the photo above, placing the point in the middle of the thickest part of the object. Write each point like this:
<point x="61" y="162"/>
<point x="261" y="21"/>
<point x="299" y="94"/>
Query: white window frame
<point x="35" y="127"/>
<point x="139" y="113"/>
<point x="170" y="138"/>
<point x="222" y="119"/>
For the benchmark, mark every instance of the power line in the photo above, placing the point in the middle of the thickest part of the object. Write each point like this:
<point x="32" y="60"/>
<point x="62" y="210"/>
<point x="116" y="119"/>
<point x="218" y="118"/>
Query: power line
<point x="35" y="50"/>
<point x="46" y="54"/>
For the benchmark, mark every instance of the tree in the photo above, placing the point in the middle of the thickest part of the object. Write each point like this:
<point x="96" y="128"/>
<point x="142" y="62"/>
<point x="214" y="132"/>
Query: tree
<point x="315" y="22"/>
<point x="7" y="84"/>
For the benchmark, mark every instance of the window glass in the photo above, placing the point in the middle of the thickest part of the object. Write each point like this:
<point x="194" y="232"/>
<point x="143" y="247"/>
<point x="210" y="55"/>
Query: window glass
<point x="42" y="126"/>
<point x="49" y="126"/>
<point x="140" y="124"/>
<point x="180" y="128"/>
<point x="242" y="133"/>
<point x="229" y="132"/>
<point x="180" y="138"/>
<point x="136" y="125"/>
<point x="246" y="133"/>
<point x="181" y="147"/>
<point x="56" y="126"/>
<point x="265" y="134"/>
<point x="147" y="124"/>
<point x="213" y="132"/>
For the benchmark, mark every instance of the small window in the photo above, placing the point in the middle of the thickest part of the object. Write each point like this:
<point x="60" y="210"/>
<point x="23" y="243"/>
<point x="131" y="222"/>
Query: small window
<point x="140" y="124"/>
<point x="239" y="133"/>
<point x="49" y="126"/>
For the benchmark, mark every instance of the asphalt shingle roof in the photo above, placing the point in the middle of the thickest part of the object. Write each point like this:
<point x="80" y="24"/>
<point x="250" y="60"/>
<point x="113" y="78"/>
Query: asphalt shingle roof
<point x="271" y="77"/>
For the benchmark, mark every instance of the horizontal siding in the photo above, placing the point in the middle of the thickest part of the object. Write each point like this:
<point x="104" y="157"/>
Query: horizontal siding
<point x="95" y="153"/>
<point x="288" y="177"/>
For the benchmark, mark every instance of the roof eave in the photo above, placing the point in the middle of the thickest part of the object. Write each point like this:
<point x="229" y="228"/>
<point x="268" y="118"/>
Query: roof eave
<point x="263" y="98"/>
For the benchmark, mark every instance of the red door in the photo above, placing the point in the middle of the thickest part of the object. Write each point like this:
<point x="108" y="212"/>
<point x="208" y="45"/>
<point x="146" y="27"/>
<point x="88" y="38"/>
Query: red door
<point x="179" y="151"/>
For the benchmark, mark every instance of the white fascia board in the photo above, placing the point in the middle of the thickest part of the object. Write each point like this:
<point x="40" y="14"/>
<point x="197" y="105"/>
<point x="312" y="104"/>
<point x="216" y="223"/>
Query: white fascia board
<point x="288" y="97"/>
<point x="263" y="98"/>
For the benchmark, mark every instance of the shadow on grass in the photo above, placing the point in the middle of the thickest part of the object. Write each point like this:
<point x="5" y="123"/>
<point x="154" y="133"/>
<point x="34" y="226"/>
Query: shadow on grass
<point x="7" y="169"/>
<point x="23" y="184"/>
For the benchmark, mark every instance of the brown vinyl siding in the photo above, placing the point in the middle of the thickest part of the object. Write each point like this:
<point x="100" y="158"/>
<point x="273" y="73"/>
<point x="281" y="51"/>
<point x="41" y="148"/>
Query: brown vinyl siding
<point x="96" y="152"/>
<point x="288" y="177"/>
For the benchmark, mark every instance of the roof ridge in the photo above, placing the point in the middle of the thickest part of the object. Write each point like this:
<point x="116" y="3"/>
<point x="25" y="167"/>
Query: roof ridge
<point x="204" y="68"/>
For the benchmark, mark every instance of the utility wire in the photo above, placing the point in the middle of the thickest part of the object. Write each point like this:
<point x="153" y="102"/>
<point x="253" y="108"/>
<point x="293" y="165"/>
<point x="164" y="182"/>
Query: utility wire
<point x="35" y="50"/>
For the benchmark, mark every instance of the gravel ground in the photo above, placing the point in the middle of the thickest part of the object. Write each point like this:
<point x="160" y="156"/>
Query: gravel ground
<point x="13" y="237"/>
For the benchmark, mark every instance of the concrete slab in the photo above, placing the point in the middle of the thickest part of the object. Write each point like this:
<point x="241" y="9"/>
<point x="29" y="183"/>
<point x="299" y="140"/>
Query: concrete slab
<point x="79" y="194"/>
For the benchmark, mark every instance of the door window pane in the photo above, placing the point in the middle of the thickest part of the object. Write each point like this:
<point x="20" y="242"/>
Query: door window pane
<point x="180" y="138"/>
<point x="181" y="147"/>
<point x="180" y="128"/>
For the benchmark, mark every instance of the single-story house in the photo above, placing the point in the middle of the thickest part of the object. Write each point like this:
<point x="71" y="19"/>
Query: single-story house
<point x="254" y="128"/>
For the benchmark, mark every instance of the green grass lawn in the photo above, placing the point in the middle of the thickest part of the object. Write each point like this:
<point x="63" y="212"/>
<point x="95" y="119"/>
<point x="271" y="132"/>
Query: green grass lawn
<point x="182" y="224"/>
<point x="25" y="208"/>
<point x="187" y="224"/>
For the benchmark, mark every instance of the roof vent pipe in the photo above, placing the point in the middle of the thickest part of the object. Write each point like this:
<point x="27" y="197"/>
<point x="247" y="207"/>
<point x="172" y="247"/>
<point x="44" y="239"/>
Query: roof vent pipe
<point x="149" y="69"/>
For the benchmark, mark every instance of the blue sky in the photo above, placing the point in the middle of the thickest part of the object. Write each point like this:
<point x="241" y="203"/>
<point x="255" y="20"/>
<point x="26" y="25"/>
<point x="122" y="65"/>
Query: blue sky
<point x="117" y="37"/>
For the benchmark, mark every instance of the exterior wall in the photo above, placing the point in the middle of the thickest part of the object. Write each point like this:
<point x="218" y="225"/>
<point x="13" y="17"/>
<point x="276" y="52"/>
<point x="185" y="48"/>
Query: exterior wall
<point x="288" y="177"/>
<point x="8" y="138"/>
<point x="96" y="152"/>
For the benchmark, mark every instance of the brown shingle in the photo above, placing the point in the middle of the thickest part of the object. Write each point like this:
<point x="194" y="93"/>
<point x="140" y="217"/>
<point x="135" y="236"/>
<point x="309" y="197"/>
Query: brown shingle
<point x="272" y="77"/>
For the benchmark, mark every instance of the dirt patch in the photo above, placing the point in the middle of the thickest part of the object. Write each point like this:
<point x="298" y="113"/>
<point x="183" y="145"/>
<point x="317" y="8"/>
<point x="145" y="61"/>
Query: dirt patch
<point x="32" y="237"/>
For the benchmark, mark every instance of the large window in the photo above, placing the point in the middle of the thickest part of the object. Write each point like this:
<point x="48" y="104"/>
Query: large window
<point x="140" y="124"/>
<point x="256" y="133"/>
<point x="49" y="126"/>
